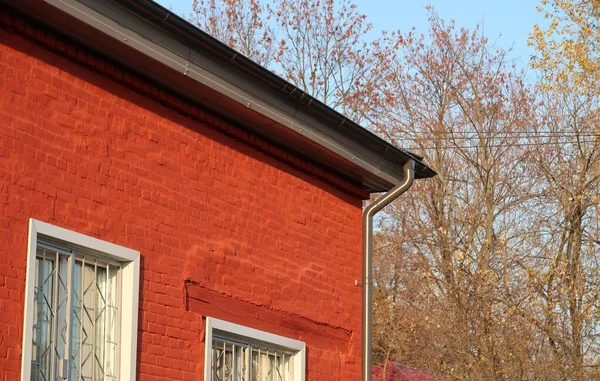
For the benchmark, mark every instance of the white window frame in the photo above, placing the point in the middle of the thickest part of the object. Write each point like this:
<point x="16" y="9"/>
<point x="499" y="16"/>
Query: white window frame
<point x="298" y="348"/>
<point x="130" y="277"/>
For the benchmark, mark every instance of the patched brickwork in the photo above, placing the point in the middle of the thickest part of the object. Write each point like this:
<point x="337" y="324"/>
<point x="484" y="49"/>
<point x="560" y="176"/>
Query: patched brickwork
<point x="94" y="151"/>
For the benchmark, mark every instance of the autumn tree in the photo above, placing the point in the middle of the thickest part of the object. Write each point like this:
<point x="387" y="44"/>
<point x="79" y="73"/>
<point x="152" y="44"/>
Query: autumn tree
<point x="563" y="263"/>
<point x="244" y="25"/>
<point x="445" y="261"/>
<point x="321" y="46"/>
<point x="568" y="48"/>
<point x="568" y="58"/>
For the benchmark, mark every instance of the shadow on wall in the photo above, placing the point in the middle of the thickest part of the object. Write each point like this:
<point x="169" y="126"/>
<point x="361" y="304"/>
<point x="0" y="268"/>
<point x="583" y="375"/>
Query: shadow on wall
<point x="122" y="83"/>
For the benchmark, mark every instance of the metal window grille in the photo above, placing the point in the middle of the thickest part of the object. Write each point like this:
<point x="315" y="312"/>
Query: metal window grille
<point x="76" y="316"/>
<point x="230" y="361"/>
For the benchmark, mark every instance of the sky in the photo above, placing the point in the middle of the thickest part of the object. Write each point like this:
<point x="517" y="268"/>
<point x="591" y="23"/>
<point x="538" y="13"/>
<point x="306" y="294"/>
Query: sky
<point x="507" y="22"/>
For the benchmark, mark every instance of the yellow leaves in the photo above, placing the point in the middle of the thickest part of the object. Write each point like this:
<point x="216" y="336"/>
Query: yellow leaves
<point x="536" y="35"/>
<point x="568" y="49"/>
<point x="459" y="256"/>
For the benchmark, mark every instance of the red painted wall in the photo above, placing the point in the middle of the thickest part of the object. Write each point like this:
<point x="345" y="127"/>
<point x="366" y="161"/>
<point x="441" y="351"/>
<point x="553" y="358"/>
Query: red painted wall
<point x="208" y="213"/>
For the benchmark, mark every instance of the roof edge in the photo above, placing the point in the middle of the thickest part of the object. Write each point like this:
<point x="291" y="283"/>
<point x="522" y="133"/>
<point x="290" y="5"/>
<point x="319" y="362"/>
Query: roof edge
<point x="195" y="65"/>
<point x="278" y="83"/>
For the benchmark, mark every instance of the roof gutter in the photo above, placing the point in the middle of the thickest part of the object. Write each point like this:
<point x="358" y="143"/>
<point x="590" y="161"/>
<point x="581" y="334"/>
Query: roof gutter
<point x="275" y="81"/>
<point x="165" y="49"/>
<point x="368" y="214"/>
<point x="305" y="101"/>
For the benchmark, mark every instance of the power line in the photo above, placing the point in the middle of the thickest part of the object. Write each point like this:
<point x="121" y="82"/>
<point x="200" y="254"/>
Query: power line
<point x="502" y="135"/>
<point x="525" y="132"/>
<point x="503" y="145"/>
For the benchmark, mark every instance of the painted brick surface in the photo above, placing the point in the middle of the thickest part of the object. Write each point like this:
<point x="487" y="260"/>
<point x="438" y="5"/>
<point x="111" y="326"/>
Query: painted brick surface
<point x="83" y="151"/>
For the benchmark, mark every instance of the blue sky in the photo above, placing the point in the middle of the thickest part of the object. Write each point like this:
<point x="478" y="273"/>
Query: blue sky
<point x="508" y="22"/>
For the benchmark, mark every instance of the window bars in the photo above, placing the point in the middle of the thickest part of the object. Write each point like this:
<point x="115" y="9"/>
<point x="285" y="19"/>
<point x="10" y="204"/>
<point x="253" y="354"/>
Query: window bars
<point x="76" y="316"/>
<point x="230" y="361"/>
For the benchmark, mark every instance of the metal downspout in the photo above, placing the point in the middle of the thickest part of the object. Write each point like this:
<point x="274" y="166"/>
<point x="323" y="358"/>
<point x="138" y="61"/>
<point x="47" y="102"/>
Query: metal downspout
<point x="369" y="212"/>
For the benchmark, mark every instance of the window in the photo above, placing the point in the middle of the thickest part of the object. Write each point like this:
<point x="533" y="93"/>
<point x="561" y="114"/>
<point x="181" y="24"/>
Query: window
<point x="239" y="353"/>
<point x="81" y="307"/>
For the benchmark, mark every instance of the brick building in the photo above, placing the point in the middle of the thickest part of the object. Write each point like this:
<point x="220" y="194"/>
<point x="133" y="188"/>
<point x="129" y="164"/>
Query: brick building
<point x="169" y="209"/>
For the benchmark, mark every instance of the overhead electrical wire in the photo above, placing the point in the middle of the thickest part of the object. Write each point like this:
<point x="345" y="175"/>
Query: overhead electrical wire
<point x="502" y="135"/>
<point x="525" y="132"/>
<point x="502" y="145"/>
<point x="563" y="138"/>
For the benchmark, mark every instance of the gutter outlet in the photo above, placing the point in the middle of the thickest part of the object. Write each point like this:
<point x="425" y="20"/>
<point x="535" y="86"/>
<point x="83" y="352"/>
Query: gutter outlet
<point x="369" y="212"/>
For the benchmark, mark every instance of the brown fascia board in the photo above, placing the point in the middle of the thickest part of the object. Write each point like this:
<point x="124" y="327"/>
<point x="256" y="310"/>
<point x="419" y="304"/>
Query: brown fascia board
<point x="168" y="50"/>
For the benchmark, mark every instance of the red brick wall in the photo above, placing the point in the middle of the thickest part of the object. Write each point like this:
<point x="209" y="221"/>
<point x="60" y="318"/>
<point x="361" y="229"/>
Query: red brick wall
<point x="212" y="216"/>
